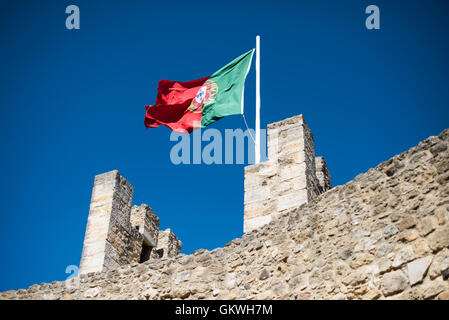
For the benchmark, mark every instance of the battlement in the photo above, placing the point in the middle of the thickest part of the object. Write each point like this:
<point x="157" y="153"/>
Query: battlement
<point x="291" y="176"/>
<point x="118" y="234"/>
<point x="383" y="235"/>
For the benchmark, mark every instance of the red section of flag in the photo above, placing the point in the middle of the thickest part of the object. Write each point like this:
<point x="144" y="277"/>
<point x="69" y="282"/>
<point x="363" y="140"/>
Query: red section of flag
<point x="172" y="103"/>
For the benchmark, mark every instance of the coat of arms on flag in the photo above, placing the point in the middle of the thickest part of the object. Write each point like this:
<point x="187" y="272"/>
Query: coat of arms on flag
<point x="205" y="96"/>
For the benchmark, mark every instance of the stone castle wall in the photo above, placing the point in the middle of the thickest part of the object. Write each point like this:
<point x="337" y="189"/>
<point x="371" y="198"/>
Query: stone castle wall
<point x="383" y="235"/>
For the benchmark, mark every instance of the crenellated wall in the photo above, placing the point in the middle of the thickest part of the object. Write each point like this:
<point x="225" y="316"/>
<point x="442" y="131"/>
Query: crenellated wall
<point x="383" y="235"/>
<point x="117" y="234"/>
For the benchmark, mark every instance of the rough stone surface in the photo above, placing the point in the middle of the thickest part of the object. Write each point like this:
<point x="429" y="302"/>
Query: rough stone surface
<point x="417" y="269"/>
<point x="108" y="229"/>
<point x="291" y="176"/>
<point x="341" y="245"/>
<point x="143" y="219"/>
<point x="117" y="234"/>
<point x="168" y="244"/>
<point x="439" y="239"/>
<point x="439" y="263"/>
<point x="394" y="282"/>
<point x="323" y="175"/>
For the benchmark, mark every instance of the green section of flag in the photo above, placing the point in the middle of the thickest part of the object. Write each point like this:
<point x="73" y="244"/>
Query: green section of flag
<point x="230" y="81"/>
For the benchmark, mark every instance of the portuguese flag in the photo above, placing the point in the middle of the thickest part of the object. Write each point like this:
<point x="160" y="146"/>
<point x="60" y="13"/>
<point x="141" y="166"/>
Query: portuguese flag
<point x="186" y="106"/>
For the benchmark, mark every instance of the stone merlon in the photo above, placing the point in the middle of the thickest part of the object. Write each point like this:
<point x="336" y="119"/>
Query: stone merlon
<point x="291" y="176"/>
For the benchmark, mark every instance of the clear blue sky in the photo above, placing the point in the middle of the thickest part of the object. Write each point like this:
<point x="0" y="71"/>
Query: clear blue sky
<point x="72" y="106"/>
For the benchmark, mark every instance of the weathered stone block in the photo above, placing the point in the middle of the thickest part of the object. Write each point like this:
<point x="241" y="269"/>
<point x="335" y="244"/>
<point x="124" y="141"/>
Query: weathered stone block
<point x="291" y="200"/>
<point x="291" y="171"/>
<point x="168" y="244"/>
<point x="258" y="194"/>
<point x="404" y="255"/>
<point x="427" y="225"/>
<point x="439" y="264"/>
<point x="439" y="239"/>
<point x="260" y="208"/>
<point x="393" y="282"/>
<point x="417" y="269"/>
<point x="433" y="288"/>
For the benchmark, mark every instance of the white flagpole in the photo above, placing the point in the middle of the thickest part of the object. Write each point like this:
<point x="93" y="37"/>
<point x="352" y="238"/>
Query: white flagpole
<point x="257" y="144"/>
